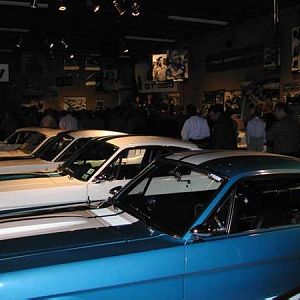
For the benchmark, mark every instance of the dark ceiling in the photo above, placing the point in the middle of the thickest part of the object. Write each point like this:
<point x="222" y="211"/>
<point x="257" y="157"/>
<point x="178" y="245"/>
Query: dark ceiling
<point x="106" y="32"/>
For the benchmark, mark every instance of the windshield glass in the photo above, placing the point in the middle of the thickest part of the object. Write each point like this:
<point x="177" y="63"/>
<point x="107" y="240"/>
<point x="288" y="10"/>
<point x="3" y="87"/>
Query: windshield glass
<point x="83" y="164"/>
<point x="32" y="140"/>
<point x="170" y="196"/>
<point x="53" y="147"/>
<point x="76" y="145"/>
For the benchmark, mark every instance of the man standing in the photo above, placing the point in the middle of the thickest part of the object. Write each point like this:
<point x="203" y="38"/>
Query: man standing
<point x="48" y="120"/>
<point x="195" y="128"/>
<point x="283" y="136"/>
<point x="224" y="131"/>
<point x="256" y="132"/>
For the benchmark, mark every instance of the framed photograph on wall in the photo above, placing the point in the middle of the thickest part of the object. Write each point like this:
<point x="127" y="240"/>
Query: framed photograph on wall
<point x="177" y="68"/>
<point x="295" y="49"/>
<point x="77" y="103"/>
<point x="159" y="67"/>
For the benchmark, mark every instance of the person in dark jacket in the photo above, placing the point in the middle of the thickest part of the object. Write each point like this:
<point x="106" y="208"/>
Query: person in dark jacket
<point x="224" y="130"/>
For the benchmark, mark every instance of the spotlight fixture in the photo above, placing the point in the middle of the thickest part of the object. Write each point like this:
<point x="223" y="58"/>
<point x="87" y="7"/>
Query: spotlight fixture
<point x="93" y="5"/>
<point x="135" y="8"/>
<point x="72" y="56"/>
<point x="34" y="4"/>
<point x="61" y="5"/>
<point x="119" y="7"/>
<point x="19" y="43"/>
<point x="64" y="43"/>
<point x="49" y="43"/>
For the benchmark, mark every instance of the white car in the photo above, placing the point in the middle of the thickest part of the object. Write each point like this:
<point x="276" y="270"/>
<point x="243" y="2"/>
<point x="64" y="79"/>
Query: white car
<point x="90" y="174"/>
<point x="53" y="153"/>
<point x="26" y="141"/>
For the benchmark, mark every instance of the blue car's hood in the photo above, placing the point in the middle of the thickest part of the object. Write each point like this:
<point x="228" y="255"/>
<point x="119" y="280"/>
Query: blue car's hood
<point x="64" y="247"/>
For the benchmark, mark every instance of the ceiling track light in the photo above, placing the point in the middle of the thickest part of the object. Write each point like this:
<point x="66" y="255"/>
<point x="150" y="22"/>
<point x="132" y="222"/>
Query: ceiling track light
<point x="19" y="43"/>
<point x="64" y="43"/>
<point x="119" y="7"/>
<point x="49" y="43"/>
<point x="61" y="5"/>
<point x="135" y="9"/>
<point x="34" y="4"/>
<point x="93" y="5"/>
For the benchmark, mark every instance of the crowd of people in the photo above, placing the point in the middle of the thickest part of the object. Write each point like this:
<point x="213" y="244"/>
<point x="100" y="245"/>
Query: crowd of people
<point x="216" y="129"/>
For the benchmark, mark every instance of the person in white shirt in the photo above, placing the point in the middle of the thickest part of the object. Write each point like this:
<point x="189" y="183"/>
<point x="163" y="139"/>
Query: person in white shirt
<point x="195" y="128"/>
<point x="68" y="122"/>
<point x="256" y="133"/>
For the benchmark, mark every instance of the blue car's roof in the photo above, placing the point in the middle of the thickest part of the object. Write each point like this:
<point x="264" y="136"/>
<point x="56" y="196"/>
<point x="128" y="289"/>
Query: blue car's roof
<point x="230" y="163"/>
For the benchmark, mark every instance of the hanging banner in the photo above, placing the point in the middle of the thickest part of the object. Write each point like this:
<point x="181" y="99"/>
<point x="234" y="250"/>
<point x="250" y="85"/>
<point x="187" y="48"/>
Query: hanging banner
<point x="4" y="75"/>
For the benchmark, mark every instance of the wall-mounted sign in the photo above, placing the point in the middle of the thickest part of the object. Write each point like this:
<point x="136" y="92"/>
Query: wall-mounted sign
<point x="4" y="75"/>
<point x="237" y="58"/>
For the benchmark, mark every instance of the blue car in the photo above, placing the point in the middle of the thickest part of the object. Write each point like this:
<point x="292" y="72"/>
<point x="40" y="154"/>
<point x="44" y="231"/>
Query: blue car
<point x="191" y="225"/>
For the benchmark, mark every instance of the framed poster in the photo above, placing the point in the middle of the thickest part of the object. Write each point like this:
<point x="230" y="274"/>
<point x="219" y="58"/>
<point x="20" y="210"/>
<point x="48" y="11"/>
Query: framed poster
<point x="76" y="103"/>
<point x="177" y="69"/>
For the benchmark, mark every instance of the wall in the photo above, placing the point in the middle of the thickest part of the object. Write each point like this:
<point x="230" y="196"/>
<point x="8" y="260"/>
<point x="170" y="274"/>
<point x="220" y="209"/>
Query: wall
<point x="33" y="80"/>
<point x="256" y="32"/>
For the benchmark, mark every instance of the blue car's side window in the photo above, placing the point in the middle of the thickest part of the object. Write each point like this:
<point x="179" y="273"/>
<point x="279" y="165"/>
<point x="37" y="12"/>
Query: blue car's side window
<point x="266" y="202"/>
<point x="257" y="203"/>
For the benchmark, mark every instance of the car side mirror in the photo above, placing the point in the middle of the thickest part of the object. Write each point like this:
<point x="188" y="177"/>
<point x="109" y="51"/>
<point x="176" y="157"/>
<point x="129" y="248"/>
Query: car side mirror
<point x="115" y="190"/>
<point x="201" y="231"/>
<point x="207" y="229"/>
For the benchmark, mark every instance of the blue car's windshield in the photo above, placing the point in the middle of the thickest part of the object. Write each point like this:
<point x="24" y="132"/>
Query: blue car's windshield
<point x="169" y="196"/>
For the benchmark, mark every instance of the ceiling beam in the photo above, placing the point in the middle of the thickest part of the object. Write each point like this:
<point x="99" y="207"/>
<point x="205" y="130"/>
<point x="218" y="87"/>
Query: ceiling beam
<point x="23" y="4"/>
<point x="198" y="20"/>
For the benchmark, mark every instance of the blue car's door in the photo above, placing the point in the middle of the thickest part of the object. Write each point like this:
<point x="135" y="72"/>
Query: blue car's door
<point x="253" y="249"/>
<point x="250" y="266"/>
